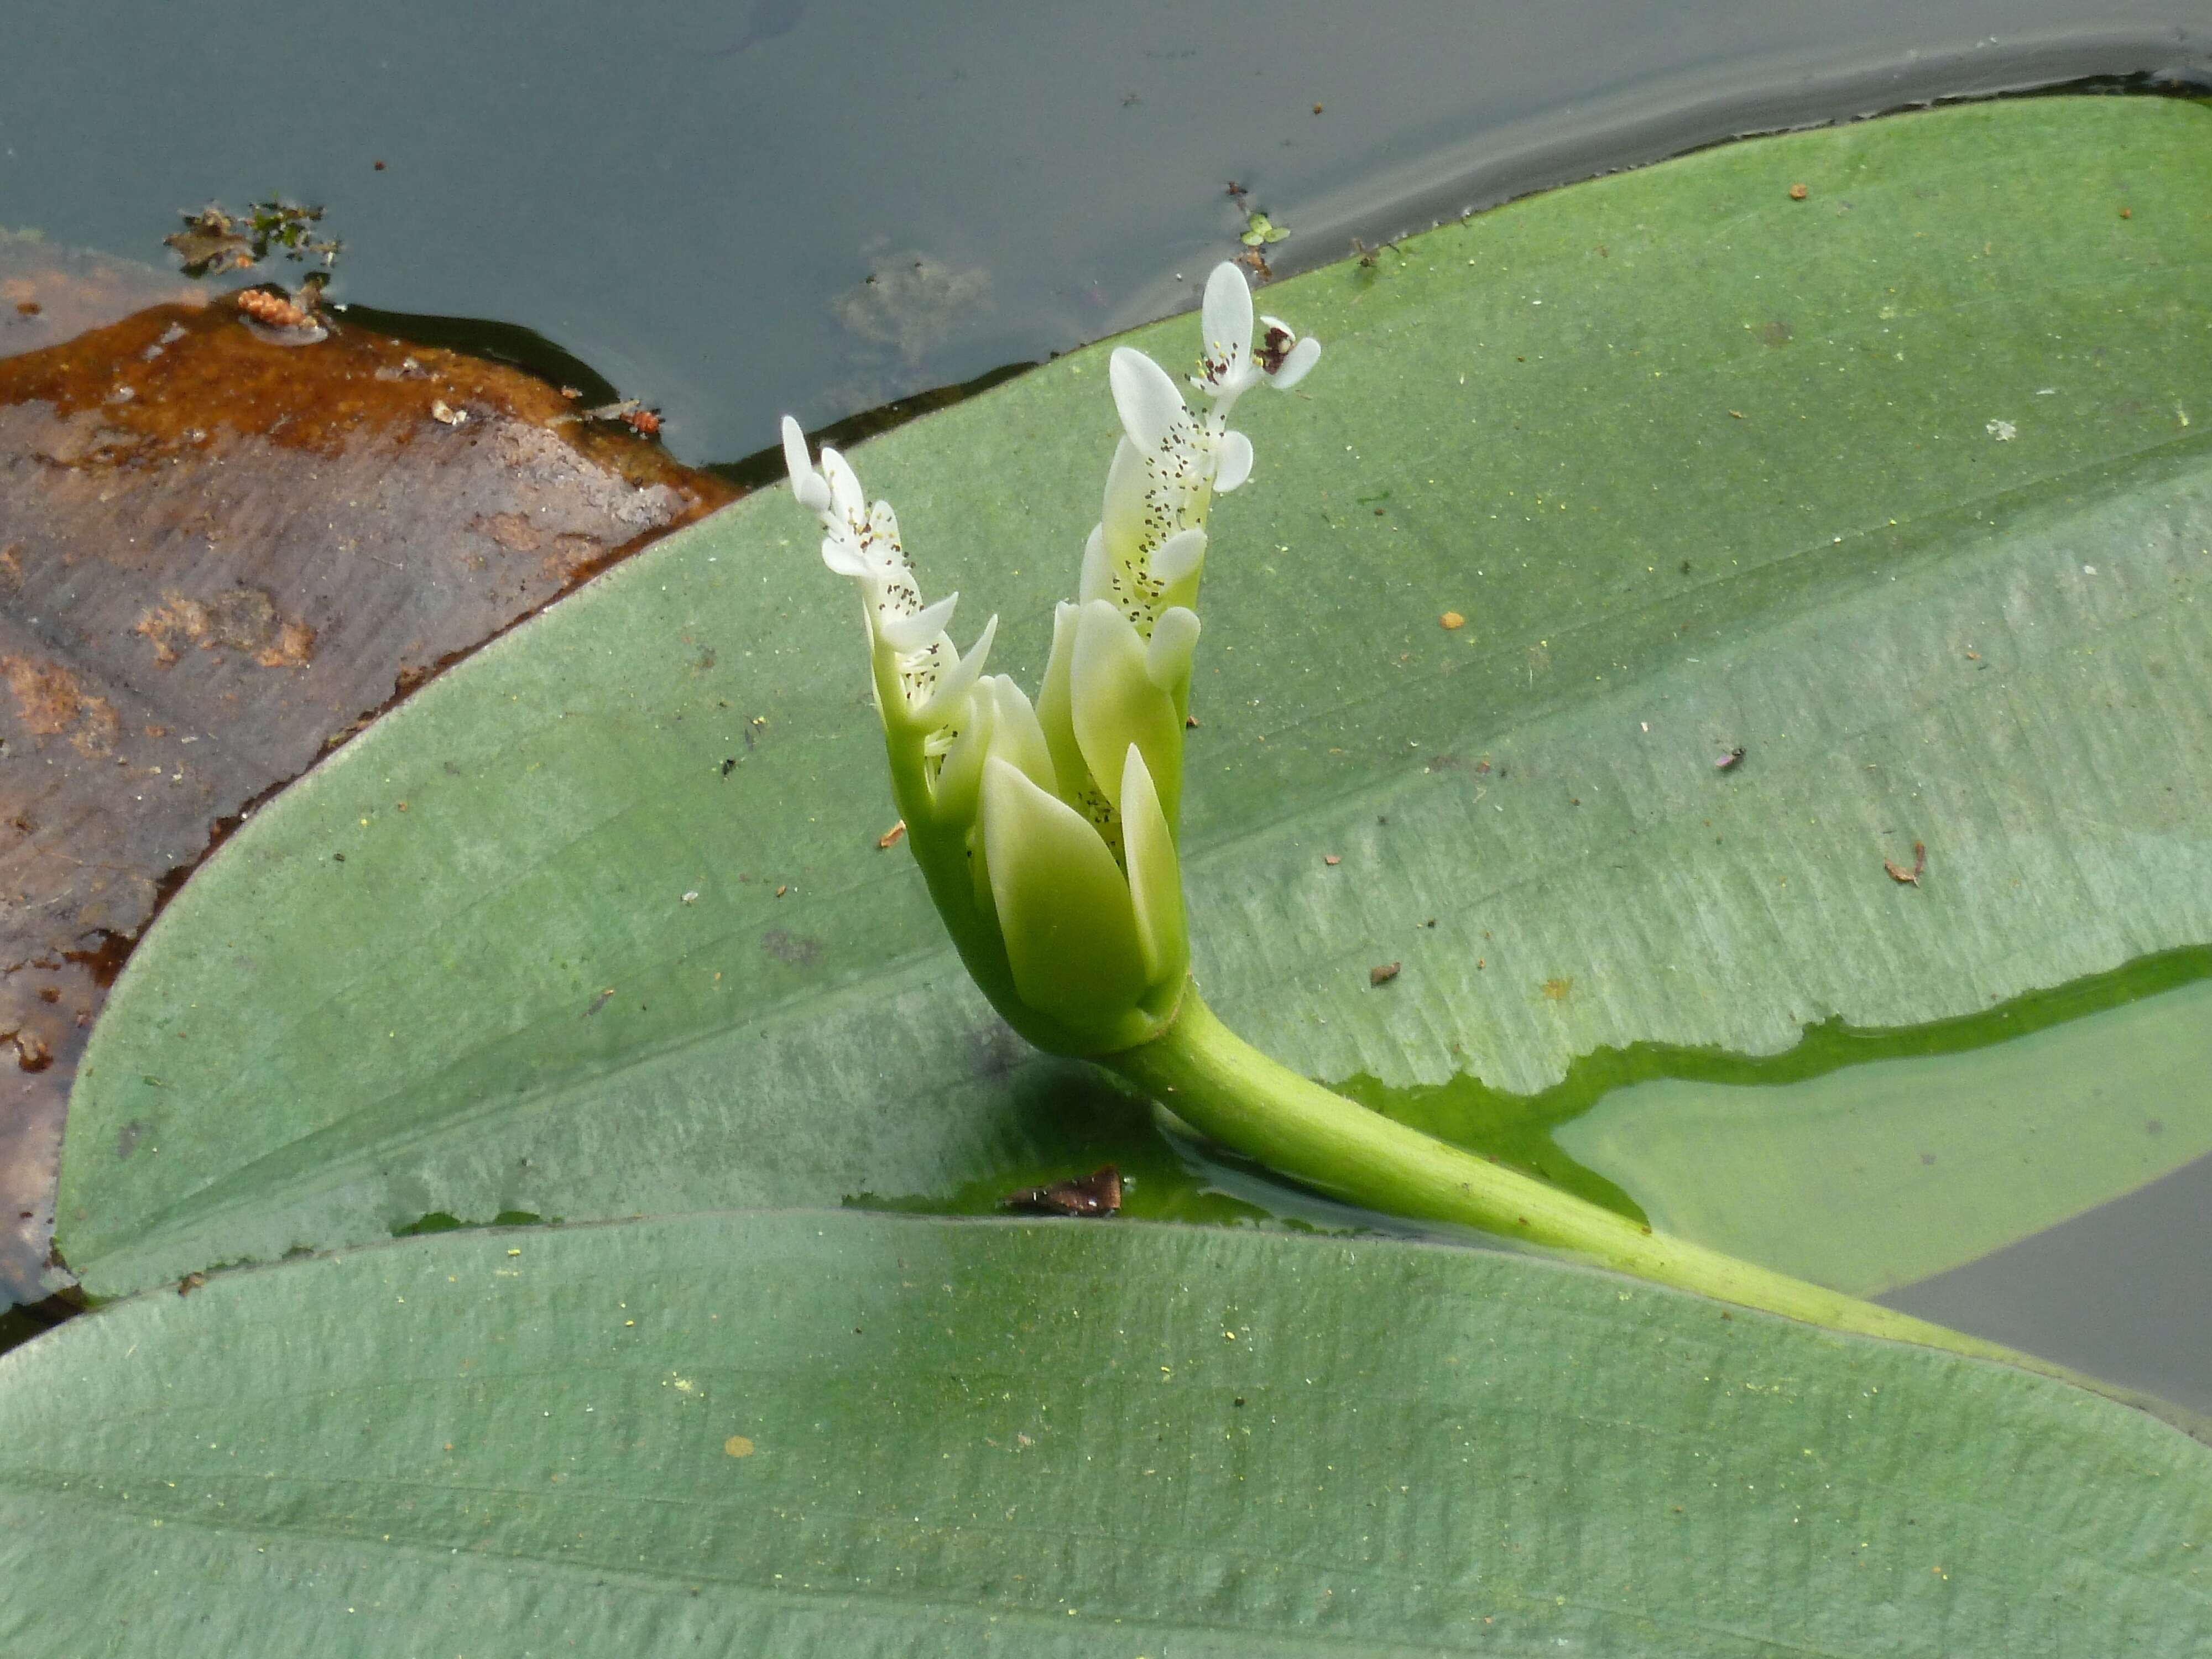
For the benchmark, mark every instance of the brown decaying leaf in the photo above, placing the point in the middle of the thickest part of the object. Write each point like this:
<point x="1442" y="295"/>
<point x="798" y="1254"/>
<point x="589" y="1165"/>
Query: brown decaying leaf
<point x="191" y="549"/>
<point x="1098" y="1193"/>
<point x="49" y="294"/>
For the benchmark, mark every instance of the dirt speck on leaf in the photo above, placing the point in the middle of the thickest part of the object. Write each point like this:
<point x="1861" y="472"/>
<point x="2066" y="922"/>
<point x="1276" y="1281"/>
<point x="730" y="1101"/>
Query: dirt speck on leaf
<point x="794" y="950"/>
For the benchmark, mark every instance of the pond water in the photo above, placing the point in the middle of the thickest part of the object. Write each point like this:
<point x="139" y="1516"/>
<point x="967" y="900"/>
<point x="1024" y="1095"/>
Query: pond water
<point x="734" y="210"/>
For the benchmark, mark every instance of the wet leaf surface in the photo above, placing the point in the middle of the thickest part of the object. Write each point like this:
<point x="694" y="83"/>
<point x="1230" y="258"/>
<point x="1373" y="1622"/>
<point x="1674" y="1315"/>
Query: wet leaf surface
<point x="824" y="1434"/>
<point x="50" y="294"/>
<point x="218" y="558"/>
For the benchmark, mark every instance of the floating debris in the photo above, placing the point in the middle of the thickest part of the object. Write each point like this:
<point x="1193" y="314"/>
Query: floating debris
<point x="1098" y="1193"/>
<point x="1370" y="257"/>
<point x="1905" y="878"/>
<point x="1260" y="231"/>
<point x="276" y="317"/>
<point x="1728" y="760"/>
<point x="209" y="246"/>
<point x="214" y="240"/>
<point x="1383" y="973"/>
<point x="630" y="412"/>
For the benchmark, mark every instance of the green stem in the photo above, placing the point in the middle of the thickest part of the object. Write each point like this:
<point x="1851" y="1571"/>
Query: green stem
<point x="1223" y="1087"/>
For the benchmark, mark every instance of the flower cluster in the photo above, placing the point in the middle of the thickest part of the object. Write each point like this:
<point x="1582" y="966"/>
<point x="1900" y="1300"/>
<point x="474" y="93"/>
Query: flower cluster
<point x="1048" y="830"/>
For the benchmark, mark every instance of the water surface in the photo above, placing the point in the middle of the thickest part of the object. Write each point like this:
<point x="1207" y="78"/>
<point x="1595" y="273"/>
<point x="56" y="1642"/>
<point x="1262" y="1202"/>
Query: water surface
<point x="731" y="210"/>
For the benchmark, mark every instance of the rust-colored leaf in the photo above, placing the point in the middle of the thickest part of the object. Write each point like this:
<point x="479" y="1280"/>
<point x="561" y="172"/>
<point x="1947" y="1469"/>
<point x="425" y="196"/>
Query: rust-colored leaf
<point x="221" y="553"/>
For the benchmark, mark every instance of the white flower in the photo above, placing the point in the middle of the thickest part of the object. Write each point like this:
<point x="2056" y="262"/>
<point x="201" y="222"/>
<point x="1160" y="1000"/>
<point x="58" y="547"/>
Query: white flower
<point x="922" y="682"/>
<point x="1046" y="831"/>
<point x="1145" y="555"/>
<point x="1231" y="366"/>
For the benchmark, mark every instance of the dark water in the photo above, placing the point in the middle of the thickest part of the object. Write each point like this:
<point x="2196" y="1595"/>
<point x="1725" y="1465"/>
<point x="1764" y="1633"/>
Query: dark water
<point x="692" y="198"/>
<point x="731" y="211"/>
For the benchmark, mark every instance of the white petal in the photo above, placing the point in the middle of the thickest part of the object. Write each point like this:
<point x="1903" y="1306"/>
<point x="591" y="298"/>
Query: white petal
<point x="1147" y="399"/>
<point x="1178" y="556"/>
<point x="1167" y="655"/>
<point x="910" y="633"/>
<point x="1094" y="582"/>
<point x="1228" y="316"/>
<point x="952" y="690"/>
<point x="805" y="482"/>
<point x="839" y="554"/>
<point x="1296" y="366"/>
<point x="1155" y="874"/>
<point x="845" y="493"/>
<point x="1234" y="464"/>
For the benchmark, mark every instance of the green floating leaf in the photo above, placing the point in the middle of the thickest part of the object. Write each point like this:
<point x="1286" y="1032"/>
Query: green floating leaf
<point x="1260" y="231"/>
<point x="1702" y="466"/>
<point x="830" y="1434"/>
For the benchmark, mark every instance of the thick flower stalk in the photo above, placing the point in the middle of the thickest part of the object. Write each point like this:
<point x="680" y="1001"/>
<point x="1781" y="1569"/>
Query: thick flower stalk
<point x="1048" y="830"/>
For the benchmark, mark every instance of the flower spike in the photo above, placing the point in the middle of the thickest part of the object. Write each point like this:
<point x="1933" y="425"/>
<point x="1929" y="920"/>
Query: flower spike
<point x="1046" y="832"/>
<point x="927" y="678"/>
<point x="1174" y="460"/>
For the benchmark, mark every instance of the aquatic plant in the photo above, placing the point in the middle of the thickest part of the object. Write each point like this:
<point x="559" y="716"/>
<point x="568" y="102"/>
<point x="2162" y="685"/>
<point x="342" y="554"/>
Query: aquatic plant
<point x="1048" y="830"/>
